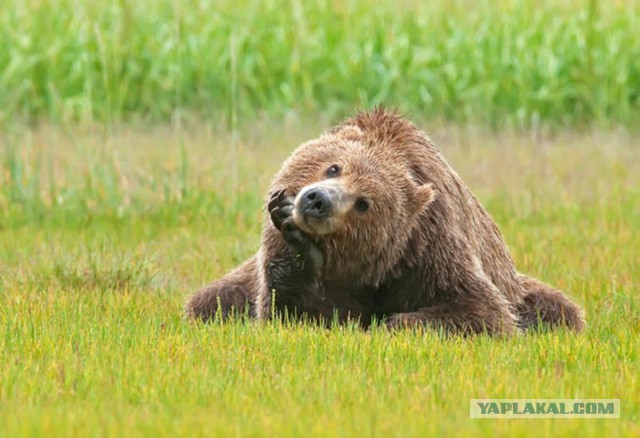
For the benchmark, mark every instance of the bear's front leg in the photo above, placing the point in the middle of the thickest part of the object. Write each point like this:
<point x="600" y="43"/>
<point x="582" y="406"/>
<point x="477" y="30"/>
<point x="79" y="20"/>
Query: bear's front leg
<point x="294" y="276"/>
<point x="306" y="254"/>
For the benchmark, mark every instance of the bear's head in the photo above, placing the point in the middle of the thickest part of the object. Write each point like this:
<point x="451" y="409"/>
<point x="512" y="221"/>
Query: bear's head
<point x="357" y="195"/>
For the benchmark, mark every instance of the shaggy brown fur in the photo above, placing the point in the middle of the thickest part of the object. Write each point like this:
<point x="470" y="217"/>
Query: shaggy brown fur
<point x="369" y="220"/>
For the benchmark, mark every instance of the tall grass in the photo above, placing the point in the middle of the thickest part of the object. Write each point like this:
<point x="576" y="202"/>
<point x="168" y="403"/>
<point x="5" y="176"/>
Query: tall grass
<point x="505" y="62"/>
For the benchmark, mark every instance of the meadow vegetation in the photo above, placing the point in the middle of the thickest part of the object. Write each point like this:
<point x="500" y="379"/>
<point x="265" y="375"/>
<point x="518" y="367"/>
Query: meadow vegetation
<point x="104" y="232"/>
<point x="137" y="141"/>
<point x="520" y="63"/>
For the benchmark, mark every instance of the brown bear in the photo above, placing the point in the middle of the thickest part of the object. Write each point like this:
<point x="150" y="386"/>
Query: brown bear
<point x="370" y="221"/>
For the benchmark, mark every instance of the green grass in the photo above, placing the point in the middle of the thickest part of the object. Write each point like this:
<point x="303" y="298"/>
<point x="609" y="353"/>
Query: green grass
<point x="518" y="63"/>
<point x="104" y="232"/>
<point x="108" y="222"/>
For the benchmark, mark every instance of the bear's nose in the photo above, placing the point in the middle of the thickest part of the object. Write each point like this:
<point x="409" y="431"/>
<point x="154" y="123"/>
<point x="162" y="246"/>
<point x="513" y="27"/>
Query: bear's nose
<point x="315" y="203"/>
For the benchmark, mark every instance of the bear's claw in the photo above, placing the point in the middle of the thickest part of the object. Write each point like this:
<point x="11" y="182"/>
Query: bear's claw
<point x="280" y="208"/>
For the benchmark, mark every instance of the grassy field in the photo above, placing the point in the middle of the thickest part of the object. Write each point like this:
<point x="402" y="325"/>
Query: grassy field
<point x="103" y="233"/>
<point x="137" y="140"/>
<point x="517" y="63"/>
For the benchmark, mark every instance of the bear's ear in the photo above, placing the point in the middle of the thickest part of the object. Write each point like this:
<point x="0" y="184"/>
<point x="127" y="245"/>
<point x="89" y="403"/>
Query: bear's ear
<point x="348" y="132"/>
<point x="423" y="196"/>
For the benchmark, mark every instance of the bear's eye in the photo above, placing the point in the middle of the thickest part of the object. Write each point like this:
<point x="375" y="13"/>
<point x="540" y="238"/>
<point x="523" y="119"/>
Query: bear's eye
<point x="362" y="205"/>
<point x="333" y="171"/>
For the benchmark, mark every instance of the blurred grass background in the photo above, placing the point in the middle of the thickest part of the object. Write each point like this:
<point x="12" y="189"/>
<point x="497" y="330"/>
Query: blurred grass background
<point x="520" y="63"/>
